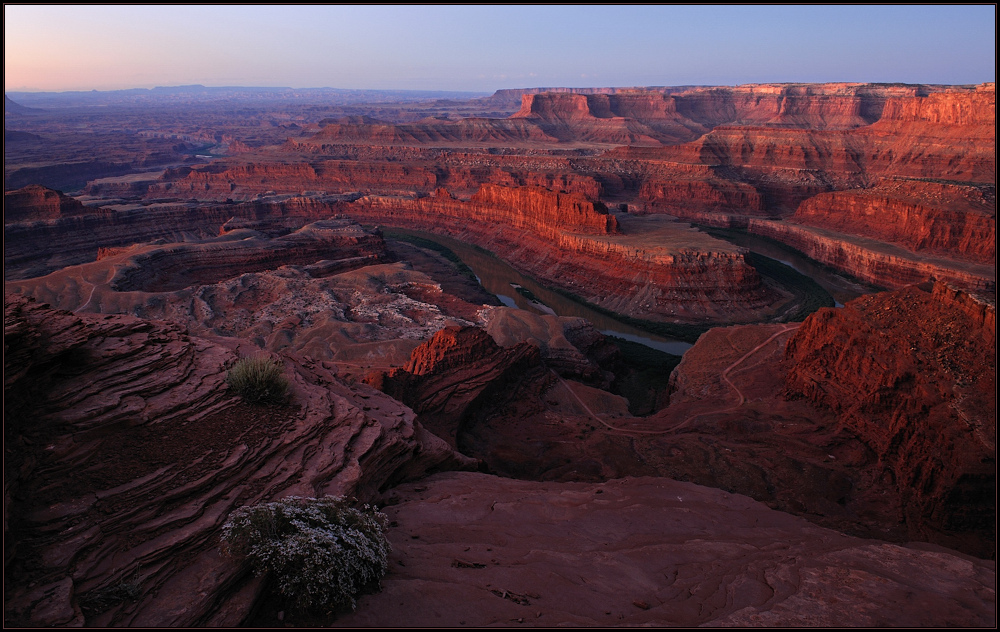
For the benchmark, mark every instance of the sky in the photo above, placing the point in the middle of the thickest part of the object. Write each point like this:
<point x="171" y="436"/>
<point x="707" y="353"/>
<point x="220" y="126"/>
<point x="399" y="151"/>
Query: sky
<point x="485" y="48"/>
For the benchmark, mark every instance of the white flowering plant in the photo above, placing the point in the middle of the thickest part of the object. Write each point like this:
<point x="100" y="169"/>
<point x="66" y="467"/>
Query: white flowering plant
<point x="321" y="552"/>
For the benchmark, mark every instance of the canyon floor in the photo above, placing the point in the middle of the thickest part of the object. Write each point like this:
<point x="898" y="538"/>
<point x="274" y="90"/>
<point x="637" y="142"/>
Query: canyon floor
<point x="481" y="306"/>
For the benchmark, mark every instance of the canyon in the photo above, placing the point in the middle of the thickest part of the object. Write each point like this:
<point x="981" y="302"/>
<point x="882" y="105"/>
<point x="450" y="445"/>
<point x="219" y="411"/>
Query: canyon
<point x="800" y="443"/>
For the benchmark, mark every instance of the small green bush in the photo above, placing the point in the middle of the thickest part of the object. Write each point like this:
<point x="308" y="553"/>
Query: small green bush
<point x="321" y="552"/>
<point x="259" y="380"/>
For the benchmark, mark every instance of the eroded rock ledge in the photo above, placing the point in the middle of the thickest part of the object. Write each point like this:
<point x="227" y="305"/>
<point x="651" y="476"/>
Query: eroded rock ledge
<point x="126" y="452"/>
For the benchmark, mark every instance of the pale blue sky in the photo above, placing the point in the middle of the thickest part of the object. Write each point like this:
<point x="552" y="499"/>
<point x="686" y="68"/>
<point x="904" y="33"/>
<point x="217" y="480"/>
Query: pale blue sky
<point x="479" y="48"/>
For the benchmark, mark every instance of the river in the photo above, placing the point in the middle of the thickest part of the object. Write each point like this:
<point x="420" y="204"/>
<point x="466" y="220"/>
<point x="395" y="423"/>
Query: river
<point x="840" y="288"/>
<point x="502" y="280"/>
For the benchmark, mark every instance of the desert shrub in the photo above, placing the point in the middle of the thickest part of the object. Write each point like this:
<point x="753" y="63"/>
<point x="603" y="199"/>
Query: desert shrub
<point x="321" y="552"/>
<point x="259" y="380"/>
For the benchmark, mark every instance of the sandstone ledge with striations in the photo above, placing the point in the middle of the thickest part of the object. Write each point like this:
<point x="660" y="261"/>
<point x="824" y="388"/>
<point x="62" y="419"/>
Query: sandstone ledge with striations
<point x="126" y="452"/>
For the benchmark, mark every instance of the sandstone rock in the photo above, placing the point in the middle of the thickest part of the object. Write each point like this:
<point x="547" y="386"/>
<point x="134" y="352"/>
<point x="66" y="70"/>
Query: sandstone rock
<point x="342" y="243"/>
<point x="910" y="373"/>
<point x="331" y="309"/>
<point x="457" y="372"/>
<point x="945" y="219"/>
<point x="475" y="550"/>
<point x="35" y="202"/>
<point x="243" y="180"/>
<point x="873" y="261"/>
<point x="728" y="426"/>
<point x="127" y="452"/>
<point x="570" y="346"/>
<point x="654" y="268"/>
<point x="36" y="248"/>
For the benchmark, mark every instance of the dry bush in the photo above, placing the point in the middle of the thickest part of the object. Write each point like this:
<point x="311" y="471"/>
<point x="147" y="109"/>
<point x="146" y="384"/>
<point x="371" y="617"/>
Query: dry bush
<point x="259" y="380"/>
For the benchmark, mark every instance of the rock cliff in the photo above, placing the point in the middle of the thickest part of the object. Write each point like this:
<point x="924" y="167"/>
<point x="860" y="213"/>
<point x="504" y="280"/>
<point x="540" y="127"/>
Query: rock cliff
<point x="455" y="374"/>
<point x="35" y="248"/>
<point x="944" y="219"/>
<point x="543" y="211"/>
<point x="872" y="261"/>
<point x="340" y="243"/>
<point x="35" y="202"/>
<point x="242" y="180"/>
<point x="660" y="270"/>
<point x="913" y="374"/>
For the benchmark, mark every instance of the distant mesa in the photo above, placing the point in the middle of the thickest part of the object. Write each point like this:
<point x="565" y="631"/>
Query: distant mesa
<point x="35" y="202"/>
<point x="12" y="107"/>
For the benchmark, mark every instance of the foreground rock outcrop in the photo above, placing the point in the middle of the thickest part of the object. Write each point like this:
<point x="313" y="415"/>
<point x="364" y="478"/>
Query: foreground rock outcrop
<point x="474" y="550"/>
<point x="894" y="438"/>
<point x="126" y="452"/>
<point x="912" y="373"/>
<point x="456" y="374"/>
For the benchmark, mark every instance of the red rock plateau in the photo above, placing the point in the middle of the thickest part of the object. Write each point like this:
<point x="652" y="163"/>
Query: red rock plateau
<point x="35" y="202"/>
<point x="780" y="473"/>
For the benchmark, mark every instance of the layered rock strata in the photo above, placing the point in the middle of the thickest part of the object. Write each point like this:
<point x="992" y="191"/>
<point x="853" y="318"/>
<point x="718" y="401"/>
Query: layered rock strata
<point x="126" y="452"/>
<point x="659" y="269"/>
<point x="35" y="202"/>
<point x="242" y="180"/>
<point x="39" y="246"/>
<point x="924" y="217"/>
<point x="672" y="116"/>
<point x="332" y="246"/>
<point x="351" y="309"/>
<point x="459" y="371"/>
<point x="872" y="261"/>
<point x="732" y="425"/>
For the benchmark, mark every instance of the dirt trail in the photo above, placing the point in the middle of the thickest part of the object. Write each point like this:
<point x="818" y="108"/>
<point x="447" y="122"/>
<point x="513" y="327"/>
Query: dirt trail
<point x="725" y="377"/>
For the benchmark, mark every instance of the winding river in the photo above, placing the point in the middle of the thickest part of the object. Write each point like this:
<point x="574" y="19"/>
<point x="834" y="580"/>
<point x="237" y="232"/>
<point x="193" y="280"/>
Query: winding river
<point x="503" y="281"/>
<point x="840" y="288"/>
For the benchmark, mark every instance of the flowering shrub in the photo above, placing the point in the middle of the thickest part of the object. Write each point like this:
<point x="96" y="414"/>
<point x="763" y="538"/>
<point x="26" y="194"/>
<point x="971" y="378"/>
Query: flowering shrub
<point x="321" y="551"/>
<point x="258" y="380"/>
